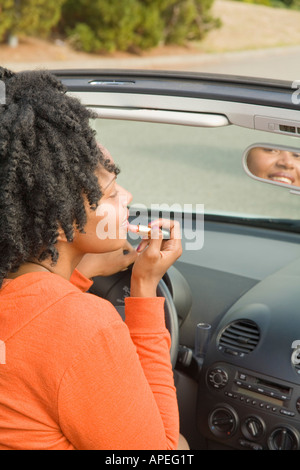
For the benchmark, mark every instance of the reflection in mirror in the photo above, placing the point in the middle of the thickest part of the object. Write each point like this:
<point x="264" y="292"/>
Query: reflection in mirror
<point x="278" y="165"/>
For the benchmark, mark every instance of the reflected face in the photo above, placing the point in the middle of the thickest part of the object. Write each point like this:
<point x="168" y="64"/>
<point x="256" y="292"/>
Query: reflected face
<point x="277" y="165"/>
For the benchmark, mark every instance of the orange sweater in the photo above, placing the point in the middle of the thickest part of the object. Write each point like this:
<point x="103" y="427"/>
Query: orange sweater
<point x="73" y="375"/>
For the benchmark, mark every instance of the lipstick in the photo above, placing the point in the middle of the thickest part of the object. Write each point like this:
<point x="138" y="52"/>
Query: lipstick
<point x="145" y="231"/>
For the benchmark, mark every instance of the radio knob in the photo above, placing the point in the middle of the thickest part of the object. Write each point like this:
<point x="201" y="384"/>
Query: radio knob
<point x="284" y="438"/>
<point x="218" y="378"/>
<point x="253" y="427"/>
<point x="223" y="421"/>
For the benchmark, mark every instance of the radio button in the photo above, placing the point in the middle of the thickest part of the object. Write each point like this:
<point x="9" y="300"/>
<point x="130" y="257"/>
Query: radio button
<point x="287" y="412"/>
<point x="250" y="445"/>
<point x="218" y="378"/>
<point x="230" y="395"/>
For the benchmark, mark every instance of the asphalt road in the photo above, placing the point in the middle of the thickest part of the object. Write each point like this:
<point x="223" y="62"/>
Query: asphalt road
<point x="280" y="63"/>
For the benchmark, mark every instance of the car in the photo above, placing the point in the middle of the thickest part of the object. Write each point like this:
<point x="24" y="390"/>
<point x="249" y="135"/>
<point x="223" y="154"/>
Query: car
<point x="183" y="142"/>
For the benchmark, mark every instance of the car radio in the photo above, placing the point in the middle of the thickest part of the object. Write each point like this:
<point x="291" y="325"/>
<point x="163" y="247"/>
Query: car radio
<point x="247" y="409"/>
<point x="257" y="389"/>
<point x="249" y="387"/>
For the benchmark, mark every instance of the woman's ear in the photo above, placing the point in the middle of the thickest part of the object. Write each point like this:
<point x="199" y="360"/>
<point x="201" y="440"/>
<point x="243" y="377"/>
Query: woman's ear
<point x="61" y="236"/>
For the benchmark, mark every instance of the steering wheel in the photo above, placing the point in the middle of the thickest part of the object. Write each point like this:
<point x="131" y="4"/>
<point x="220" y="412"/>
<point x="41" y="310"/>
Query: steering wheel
<point x="117" y="286"/>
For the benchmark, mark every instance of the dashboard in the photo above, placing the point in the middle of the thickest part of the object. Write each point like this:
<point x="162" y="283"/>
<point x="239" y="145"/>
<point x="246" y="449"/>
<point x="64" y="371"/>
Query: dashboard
<point x="245" y="283"/>
<point x="244" y="391"/>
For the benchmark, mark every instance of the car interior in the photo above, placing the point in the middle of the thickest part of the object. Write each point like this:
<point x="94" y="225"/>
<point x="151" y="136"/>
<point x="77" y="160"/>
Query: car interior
<point x="183" y="142"/>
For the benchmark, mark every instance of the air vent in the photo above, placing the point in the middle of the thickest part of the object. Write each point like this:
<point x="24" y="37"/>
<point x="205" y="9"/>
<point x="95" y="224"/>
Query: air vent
<point x="297" y="368"/>
<point x="239" y="338"/>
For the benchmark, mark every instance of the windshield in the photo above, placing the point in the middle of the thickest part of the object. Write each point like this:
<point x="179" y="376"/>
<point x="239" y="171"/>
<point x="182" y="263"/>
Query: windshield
<point x="174" y="164"/>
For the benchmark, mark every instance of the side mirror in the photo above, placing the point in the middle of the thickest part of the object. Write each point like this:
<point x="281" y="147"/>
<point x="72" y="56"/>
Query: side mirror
<point x="278" y="165"/>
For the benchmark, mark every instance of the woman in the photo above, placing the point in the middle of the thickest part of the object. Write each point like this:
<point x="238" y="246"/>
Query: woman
<point x="75" y="375"/>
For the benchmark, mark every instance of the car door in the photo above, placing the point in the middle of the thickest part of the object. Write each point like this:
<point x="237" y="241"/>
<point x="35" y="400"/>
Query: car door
<point x="179" y="139"/>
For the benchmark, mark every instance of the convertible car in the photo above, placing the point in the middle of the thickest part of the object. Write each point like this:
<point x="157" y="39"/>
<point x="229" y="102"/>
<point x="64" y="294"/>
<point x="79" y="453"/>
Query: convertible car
<point x="220" y="154"/>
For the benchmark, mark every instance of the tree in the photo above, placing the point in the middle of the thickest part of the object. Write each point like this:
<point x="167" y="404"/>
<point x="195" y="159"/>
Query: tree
<point x="6" y="16"/>
<point x="108" y="25"/>
<point x="29" y="17"/>
<point x="186" y="19"/>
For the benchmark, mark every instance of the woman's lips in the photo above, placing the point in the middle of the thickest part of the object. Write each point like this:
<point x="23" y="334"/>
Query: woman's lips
<point x="282" y="178"/>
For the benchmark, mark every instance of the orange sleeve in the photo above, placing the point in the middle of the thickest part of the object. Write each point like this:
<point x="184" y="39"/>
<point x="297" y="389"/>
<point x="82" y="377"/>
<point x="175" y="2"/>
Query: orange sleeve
<point x="119" y="391"/>
<point x="80" y="281"/>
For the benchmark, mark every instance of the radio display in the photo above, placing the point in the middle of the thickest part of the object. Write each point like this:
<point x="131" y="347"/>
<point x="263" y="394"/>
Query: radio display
<point x="259" y="396"/>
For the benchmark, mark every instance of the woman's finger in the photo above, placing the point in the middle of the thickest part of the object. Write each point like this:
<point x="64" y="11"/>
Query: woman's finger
<point x="172" y="225"/>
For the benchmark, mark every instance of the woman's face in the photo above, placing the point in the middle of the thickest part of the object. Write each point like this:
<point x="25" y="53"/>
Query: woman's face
<point x="106" y="227"/>
<point x="275" y="164"/>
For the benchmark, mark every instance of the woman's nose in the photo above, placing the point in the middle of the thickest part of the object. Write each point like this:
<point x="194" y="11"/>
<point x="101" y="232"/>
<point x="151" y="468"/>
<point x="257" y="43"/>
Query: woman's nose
<point x="130" y="197"/>
<point x="286" y="160"/>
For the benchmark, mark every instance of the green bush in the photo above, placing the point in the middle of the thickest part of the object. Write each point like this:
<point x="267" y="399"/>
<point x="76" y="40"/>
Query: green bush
<point x="83" y="38"/>
<point x="109" y="25"/>
<point x="187" y="20"/>
<point x="28" y="17"/>
<point x="7" y="17"/>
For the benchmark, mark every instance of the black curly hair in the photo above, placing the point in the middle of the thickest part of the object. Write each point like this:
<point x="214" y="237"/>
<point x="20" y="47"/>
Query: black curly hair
<point x="48" y="158"/>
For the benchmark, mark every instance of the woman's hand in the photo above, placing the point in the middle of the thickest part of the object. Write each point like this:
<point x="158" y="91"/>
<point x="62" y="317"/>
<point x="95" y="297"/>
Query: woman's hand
<point x="155" y="257"/>
<point x="105" y="264"/>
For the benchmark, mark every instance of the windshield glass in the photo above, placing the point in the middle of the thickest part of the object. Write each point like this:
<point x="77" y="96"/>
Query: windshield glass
<point x="174" y="164"/>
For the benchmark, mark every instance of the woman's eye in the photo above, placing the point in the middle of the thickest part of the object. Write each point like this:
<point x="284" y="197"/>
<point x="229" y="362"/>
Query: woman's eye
<point x="273" y="151"/>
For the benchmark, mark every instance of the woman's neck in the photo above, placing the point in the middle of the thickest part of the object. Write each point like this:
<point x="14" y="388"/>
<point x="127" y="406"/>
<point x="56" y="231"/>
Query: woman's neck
<point x="67" y="261"/>
<point x="28" y="267"/>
